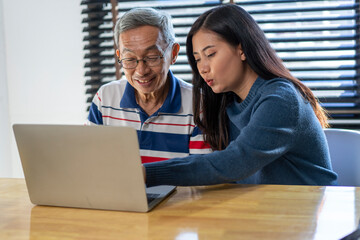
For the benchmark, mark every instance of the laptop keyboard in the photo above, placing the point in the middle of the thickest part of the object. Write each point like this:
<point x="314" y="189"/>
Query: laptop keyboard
<point x="151" y="196"/>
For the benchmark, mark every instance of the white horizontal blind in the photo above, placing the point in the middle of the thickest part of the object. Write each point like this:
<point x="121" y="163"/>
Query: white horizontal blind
<point x="99" y="56"/>
<point x="318" y="41"/>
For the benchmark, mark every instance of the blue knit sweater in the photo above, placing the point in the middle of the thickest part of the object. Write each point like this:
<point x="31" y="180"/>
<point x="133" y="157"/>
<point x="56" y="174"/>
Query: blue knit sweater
<point x="275" y="139"/>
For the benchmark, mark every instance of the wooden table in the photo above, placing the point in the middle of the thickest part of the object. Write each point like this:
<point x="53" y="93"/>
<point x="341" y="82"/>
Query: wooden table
<point x="192" y="213"/>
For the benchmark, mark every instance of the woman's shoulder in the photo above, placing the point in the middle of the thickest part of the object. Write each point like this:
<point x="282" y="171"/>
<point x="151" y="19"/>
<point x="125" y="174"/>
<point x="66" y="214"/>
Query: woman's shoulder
<point x="281" y="94"/>
<point x="281" y="88"/>
<point x="278" y="85"/>
<point x="278" y="102"/>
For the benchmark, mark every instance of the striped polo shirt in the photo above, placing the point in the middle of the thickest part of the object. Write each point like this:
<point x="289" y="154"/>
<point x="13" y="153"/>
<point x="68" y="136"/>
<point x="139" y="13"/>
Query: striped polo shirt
<point x="168" y="133"/>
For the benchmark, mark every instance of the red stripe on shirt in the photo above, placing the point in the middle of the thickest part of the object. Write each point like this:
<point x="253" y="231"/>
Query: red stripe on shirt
<point x="122" y="119"/>
<point x="97" y="94"/>
<point x="171" y="124"/>
<point x="146" y="159"/>
<point x="198" y="145"/>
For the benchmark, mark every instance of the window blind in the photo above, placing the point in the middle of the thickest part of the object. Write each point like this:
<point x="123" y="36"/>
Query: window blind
<point x="318" y="40"/>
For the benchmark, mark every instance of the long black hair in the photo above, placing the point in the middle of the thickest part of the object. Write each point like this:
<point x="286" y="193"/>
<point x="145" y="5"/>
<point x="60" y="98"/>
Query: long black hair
<point x="233" y="24"/>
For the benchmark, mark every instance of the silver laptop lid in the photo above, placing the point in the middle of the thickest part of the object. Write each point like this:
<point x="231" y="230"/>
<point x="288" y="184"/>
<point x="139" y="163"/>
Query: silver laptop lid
<point x="82" y="166"/>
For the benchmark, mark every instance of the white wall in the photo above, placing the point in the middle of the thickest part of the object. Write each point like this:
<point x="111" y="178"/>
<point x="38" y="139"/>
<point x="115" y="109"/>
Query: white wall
<point x="41" y="69"/>
<point x="5" y="164"/>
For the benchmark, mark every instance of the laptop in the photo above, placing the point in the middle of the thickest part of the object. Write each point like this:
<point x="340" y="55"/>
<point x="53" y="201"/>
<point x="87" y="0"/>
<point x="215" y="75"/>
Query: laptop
<point x="95" y="167"/>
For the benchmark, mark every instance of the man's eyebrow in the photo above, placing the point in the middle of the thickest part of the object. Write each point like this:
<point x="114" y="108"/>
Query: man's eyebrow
<point x="152" y="47"/>
<point x="126" y="50"/>
<point x="205" y="48"/>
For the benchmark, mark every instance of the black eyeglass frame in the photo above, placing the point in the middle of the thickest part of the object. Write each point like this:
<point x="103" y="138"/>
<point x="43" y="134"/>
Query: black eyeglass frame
<point x="145" y="59"/>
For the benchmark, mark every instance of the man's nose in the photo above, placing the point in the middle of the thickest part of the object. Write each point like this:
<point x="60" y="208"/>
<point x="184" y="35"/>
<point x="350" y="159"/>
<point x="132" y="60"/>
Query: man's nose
<point x="142" y="67"/>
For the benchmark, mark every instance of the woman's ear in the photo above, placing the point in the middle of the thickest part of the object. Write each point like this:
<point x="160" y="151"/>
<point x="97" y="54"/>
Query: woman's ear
<point x="117" y="53"/>
<point x="241" y="53"/>
<point x="174" y="52"/>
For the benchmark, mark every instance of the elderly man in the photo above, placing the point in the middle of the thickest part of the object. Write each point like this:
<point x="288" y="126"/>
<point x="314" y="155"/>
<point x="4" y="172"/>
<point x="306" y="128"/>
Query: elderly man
<point x="151" y="100"/>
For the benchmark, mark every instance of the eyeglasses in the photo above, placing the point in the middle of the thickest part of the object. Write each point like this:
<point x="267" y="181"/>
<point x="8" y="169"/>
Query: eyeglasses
<point x="150" y="61"/>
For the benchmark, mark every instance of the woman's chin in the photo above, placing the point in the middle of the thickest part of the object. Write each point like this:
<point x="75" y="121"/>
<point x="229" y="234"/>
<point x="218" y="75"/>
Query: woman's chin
<point x="216" y="90"/>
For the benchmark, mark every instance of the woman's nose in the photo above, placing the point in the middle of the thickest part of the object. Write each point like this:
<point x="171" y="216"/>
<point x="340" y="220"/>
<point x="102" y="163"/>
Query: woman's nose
<point x="203" y="67"/>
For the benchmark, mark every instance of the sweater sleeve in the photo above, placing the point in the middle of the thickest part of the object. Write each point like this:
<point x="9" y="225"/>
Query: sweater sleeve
<point x="264" y="138"/>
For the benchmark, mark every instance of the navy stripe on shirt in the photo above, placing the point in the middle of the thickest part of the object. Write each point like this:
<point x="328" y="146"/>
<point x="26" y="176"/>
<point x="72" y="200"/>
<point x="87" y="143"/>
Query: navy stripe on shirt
<point x="163" y="141"/>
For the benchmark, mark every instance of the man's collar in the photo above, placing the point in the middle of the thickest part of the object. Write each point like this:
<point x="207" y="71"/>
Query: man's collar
<point x="171" y="104"/>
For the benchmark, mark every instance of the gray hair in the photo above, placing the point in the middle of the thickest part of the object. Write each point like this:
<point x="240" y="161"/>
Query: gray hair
<point x="138" y="17"/>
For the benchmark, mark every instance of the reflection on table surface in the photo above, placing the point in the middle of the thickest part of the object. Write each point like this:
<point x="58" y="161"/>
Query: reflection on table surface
<point x="214" y="212"/>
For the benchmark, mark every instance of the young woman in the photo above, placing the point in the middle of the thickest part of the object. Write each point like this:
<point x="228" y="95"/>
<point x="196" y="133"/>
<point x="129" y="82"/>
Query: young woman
<point x="264" y="124"/>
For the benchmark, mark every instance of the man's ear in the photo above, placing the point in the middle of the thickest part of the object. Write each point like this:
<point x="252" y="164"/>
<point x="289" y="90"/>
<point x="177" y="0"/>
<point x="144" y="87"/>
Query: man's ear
<point x="241" y="53"/>
<point x="174" y="52"/>
<point x="118" y="53"/>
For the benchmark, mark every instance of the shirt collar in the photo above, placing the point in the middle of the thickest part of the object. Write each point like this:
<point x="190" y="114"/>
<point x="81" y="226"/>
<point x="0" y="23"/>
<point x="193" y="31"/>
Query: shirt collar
<point x="171" y="104"/>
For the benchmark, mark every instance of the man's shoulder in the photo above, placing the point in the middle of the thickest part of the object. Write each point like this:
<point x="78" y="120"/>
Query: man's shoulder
<point x="111" y="93"/>
<point x="186" y="90"/>
<point x="113" y="86"/>
<point x="184" y="85"/>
